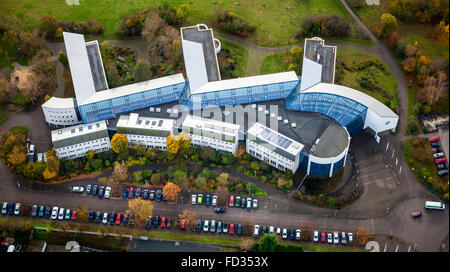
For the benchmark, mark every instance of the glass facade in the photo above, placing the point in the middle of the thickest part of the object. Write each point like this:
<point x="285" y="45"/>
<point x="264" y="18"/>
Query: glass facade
<point x="338" y="165"/>
<point x="108" y="108"/>
<point x="345" y="111"/>
<point x="238" y="96"/>
<point x="319" y="170"/>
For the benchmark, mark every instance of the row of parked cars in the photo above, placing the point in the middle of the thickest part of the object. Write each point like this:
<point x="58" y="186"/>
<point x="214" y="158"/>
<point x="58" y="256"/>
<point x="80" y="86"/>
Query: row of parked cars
<point x="243" y="202"/>
<point x="11" y="208"/>
<point x="438" y="155"/>
<point x="218" y="227"/>
<point x="331" y="238"/>
<point x="198" y="200"/>
<point x="144" y="193"/>
<point x="95" y="189"/>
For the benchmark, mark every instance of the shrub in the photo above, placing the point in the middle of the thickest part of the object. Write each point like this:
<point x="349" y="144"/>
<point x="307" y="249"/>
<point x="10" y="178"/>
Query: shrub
<point x="413" y="127"/>
<point x="234" y="24"/>
<point x="327" y="26"/>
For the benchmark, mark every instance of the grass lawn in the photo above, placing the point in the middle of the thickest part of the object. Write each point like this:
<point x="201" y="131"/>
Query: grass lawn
<point x="412" y="93"/>
<point x="3" y="115"/>
<point x="241" y="54"/>
<point x="419" y="157"/>
<point x="275" y="63"/>
<point x="276" y="21"/>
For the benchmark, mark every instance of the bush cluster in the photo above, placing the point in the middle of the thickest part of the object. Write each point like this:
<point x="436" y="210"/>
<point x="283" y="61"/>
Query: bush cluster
<point x="326" y="26"/>
<point x="232" y="23"/>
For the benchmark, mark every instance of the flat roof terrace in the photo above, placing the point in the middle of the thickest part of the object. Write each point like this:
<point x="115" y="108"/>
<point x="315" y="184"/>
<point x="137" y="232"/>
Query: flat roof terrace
<point x="95" y="61"/>
<point x="325" y="55"/>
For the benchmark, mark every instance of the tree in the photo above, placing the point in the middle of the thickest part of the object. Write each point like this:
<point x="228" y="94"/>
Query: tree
<point x="179" y="177"/>
<point x="190" y="217"/>
<point x="200" y="182"/>
<point x="17" y="156"/>
<point x="112" y="74"/>
<point x="296" y="53"/>
<point x="119" y="143"/>
<point x="52" y="165"/>
<point x="155" y="179"/>
<point x="152" y="26"/>
<point x="268" y="243"/>
<point x="172" y="144"/>
<point x="49" y="25"/>
<point x="142" y="72"/>
<point x="361" y="236"/>
<point x="120" y="172"/>
<point x="222" y="196"/>
<point x="394" y="39"/>
<point x="4" y="87"/>
<point x="284" y="184"/>
<point x="62" y="57"/>
<point x="388" y="24"/>
<point x="207" y="154"/>
<point x="141" y="209"/>
<point x="222" y="179"/>
<point x="247" y="244"/>
<point x="171" y="191"/>
<point x="239" y="188"/>
<point x="251" y="188"/>
<point x="307" y="230"/>
<point x="83" y="213"/>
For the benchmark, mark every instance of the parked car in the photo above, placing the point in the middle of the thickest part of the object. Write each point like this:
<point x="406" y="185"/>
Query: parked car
<point x="343" y="238"/>
<point x="435" y="150"/>
<point x="271" y="230"/>
<point x="438" y="155"/>
<point x="124" y="193"/>
<point x="138" y="192"/>
<point x="207" y="200"/>
<point x="158" y="195"/>
<point x="125" y="220"/>
<point x="105" y="218"/>
<point x="322" y="237"/>
<point x="108" y="192"/>
<point x="194" y="199"/>
<point x="225" y="228"/>
<point x="198" y="227"/>
<point x="61" y="214"/>
<point x="206" y="226"/>
<point x="11" y="208"/>
<point x="434" y="139"/>
<point x="284" y="234"/>
<point x="34" y="210"/>
<point x="55" y="213"/>
<point x="95" y="189"/>
<point x="152" y="195"/>
<point x="48" y="211"/>
<point x="67" y="214"/>
<point x="145" y="194"/>
<point x="214" y="201"/>
<point x="249" y="203"/>
<point x="239" y="229"/>
<point x="243" y="202"/>
<point x="435" y="144"/>
<point x="17" y="209"/>
<point x="118" y="218"/>
<point x="442" y="172"/>
<point x="131" y="192"/>
<point x="350" y="237"/>
<point x="219" y="210"/>
<point x="219" y="227"/>
<point x="231" y="229"/>
<point x="91" y="216"/>
<point x="74" y="215"/>
<point x="441" y="160"/>
<point x="291" y="234"/>
<point x="330" y="238"/>
<point x="41" y="211"/>
<point x="169" y="223"/>
<point x="130" y="219"/>
<point x="112" y="218"/>
<point x="237" y="201"/>
<point x="263" y="230"/>
<point x="255" y="203"/>
<point x="77" y="189"/>
<point x="98" y="217"/>
<point x="101" y="191"/>
<point x="183" y="224"/>
<point x="200" y="199"/>
<point x="149" y="223"/>
<point x="156" y="222"/>
<point x="336" y="237"/>
<point x="164" y="198"/>
<point x="5" y="208"/>
<point x="231" y="201"/>
<point x="278" y="231"/>
<point x="163" y="222"/>
<point x="442" y="166"/>
<point x="89" y="189"/>
<point x="416" y="214"/>
<point x="212" y="228"/>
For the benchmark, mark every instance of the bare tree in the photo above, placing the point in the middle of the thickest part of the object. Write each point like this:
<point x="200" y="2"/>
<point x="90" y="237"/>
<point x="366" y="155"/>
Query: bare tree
<point x="222" y="196"/>
<point x="306" y="230"/>
<point x="190" y="217"/>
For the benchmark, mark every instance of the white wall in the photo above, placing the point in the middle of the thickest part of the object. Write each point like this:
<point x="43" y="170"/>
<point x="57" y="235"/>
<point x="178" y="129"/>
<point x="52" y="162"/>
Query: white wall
<point x="214" y="143"/>
<point x="80" y="150"/>
<point x="60" y="117"/>
<point x="378" y="123"/>
<point x="148" y="141"/>
<point x="270" y="157"/>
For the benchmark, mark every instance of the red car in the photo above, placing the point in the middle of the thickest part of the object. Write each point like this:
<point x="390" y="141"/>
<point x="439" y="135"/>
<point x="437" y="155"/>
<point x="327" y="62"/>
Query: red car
<point x="163" y="222"/>
<point x="74" y="215"/>
<point x="231" y="230"/>
<point x="416" y="214"/>
<point x="183" y="224"/>
<point x="441" y="160"/>
<point x="130" y="192"/>
<point x="169" y="223"/>
<point x="434" y="139"/>
<point x="322" y="237"/>
<point x="231" y="202"/>
<point x="118" y="219"/>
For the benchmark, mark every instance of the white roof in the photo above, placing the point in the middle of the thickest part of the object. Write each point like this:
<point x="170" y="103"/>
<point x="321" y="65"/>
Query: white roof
<point x="80" y="69"/>
<point x="134" y="88"/>
<point x="246" y="82"/>
<point x="69" y="132"/>
<point x="290" y="146"/>
<point x="311" y="73"/>
<point x="376" y="106"/>
<point x="211" y="125"/>
<point x="195" y="64"/>
<point x="132" y="121"/>
<point x="59" y="103"/>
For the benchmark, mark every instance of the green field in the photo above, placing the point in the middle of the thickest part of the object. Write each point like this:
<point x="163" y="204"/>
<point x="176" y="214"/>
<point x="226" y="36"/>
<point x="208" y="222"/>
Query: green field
<point x="276" y="21"/>
<point x="275" y="63"/>
<point x="240" y="53"/>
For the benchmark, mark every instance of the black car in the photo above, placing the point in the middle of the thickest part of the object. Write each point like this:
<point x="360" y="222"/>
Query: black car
<point x="125" y="220"/>
<point x="156" y="222"/>
<point x="101" y="191"/>
<point x="11" y="208"/>
<point x="263" y="230"/>
<point x="98" y="217"/>
<point x="138" y="192"/>
<point x="48" y="211"/>
<point x="243" y="203"/>
<point x="435" y="144"/>
<point x="198" y="227"/>
<point x="41" y="211"/>
<point x="291" y="234"/>
<point x="219" y="210"/>
<point x="130" y="220"/>
<point x="112" y="218"/>
<point x="149" y="224"/>
<point x="95" y="189"/>
<point x="145" y="194"/>
<point x="239" y="229"/>
<point x="442" y="166"/>
<point x="91" y="216"/>
<point x="158" y="195"/>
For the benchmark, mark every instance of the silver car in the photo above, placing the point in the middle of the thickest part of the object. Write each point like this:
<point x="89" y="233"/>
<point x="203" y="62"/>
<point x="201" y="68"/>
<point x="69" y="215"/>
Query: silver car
<point x="55" y="213"/>
<point x="5" y="208"/>
<point x="105" y="218"/>
<point x="284" y="234"/>
<point x="336" y="237"/>
<point x="107" y="192"/>
<point x="438" y="155"/>
<point x="17" y="209"/>
<point x="61" y="214"/>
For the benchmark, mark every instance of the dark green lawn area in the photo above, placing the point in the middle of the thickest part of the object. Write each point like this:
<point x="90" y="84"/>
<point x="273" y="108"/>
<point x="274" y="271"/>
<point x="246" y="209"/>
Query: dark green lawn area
<point x="276" y="21"/>
<point x="275" y="63"/>
<point x="240" y="53"/>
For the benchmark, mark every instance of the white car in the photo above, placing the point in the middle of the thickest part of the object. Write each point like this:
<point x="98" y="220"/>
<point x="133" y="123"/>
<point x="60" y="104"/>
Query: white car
<point x="330" y="238"/>
<point x="350" y="237"/>
<point x="108" y="192"/>
<point x="194" y="199"/>
<point x="17" y="209"/>
<point x="343" y="238"/>
<point x="206" y="226"/>
<point x="336" y="237"/>
<point x="278" y="231"/>
<point x="5" y="208"/>
<point x="271" y="230"/>
<point x="316" y="236"/>
<point x="55" y="213"/>
<point x="256" y="231"/>
<point x="77" y="189"/>
<point x="255" y="203"/>
<point x="298" y="234"/>
<point x="61" y="214"/>
<point x="105" y="218"/>
<point x="40" y="157"/>
<point x="284" y="234"/>
<point x="249" y="203"/>
<point x="214" y="201"/>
